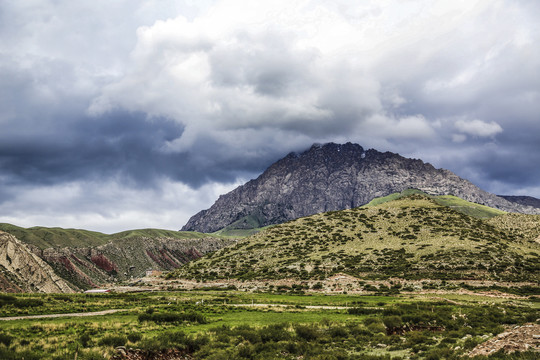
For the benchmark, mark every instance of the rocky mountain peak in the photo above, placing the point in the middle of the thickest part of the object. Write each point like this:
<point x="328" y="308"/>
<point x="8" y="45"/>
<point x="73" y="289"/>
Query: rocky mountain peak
<point x="333" y="177"/>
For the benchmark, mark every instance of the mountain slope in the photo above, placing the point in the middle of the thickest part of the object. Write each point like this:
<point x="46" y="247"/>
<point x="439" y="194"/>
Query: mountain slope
<point x="86" y="259"/>
<point x="23" y="271"/>
<point x="523" y="200"/>
<point x="333" y="177"/>
<point x="412" y="237"/>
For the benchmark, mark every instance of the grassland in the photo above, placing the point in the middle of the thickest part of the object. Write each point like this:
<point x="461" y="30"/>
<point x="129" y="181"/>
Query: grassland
<point x="239" y="325"/>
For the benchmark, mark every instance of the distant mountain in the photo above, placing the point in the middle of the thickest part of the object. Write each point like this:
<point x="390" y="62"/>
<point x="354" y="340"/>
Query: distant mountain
<point x="43" y="259"/>
<point x="412" y="237"/>
<point x="523" y="200"/>
<point x="334" y="177"/>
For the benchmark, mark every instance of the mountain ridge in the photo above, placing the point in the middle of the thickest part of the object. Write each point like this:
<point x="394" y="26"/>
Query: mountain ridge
<point x="333" y="177"/>
<point x="80" y="259"/>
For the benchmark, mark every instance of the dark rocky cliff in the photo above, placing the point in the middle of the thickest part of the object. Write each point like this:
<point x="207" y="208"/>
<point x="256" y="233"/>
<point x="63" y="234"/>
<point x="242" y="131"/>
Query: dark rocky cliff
<point x="523" y="200"/>
<point x="333" y="177"/>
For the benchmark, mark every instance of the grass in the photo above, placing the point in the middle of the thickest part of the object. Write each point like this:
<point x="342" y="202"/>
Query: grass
<point x="285" y="332"/>
<point x="453" y="202"/>
<point x="467" y="207"/>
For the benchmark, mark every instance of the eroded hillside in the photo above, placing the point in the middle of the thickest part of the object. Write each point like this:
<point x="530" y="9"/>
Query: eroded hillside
<point x="23" y="271"/>
<point x="85" y="259"/>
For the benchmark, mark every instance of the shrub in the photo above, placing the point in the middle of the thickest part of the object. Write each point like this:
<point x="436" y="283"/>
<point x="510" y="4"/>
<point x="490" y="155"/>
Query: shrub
<point x="91" y="355"/>
<point x="338" y="332"/>
<point x="173" y="317"/>
<point x="307" y="333"/>
<point x="85" y="339"/>
<point x="134" y="337"/>
<point x="317" y="286"/>
<point x="113" y="340"/>
<point x="392" y="322"/>
<point x="7" y="299"/>
<point x="376" y="327"/>
<point x="362" y="311"/>
<point x="6" y="339"/>
<point x="24" y="303"/>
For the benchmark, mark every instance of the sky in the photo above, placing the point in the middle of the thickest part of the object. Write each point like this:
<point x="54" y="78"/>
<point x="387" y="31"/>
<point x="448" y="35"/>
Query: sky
<point x="127" y="114"/>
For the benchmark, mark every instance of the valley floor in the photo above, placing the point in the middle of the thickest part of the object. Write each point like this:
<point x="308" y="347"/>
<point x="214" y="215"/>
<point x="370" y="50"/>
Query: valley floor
<point x="285" y="321"/>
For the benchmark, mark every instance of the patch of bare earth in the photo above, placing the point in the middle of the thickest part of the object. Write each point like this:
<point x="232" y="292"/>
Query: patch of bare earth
<point x="518" y="338"/>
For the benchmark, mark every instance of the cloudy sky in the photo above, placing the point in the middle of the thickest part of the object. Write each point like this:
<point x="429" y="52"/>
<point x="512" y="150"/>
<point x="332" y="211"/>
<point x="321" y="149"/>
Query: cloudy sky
<point x="129" y="114"/>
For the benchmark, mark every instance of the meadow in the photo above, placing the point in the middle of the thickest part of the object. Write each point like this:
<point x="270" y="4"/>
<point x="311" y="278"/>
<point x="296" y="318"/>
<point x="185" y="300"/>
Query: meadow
<point x="232" y="324"/>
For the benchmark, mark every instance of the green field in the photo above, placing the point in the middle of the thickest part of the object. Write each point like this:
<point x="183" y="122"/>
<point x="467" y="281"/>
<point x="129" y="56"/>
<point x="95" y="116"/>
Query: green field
<point x="241" y="325"/>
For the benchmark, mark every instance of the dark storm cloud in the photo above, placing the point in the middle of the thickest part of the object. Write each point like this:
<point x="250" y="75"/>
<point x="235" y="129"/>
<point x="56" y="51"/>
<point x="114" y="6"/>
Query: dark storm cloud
<point x="122" y="145"/>
<point x="173" y="103"/>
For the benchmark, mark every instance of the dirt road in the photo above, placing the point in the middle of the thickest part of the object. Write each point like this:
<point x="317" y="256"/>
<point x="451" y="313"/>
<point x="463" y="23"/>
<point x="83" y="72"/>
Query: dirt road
<point x="94" y="313"/>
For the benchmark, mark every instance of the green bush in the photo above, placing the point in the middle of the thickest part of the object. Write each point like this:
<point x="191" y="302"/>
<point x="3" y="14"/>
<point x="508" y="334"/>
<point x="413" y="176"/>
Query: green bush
<point x="338" y="332"/>
<point x="91" y="355"/>
<point x="6" y="339"/>
<point x="274" y="332"/>
<point x="172" y="317"/>
<point x="134" y="337"/>
<point x="24" y="303"/>
<point x="7" y="299"/>
<point x="85" y="340"/>
<point x="392" y="322"/>
<point x="113" y="340"/>
<point x="308" y="333"/>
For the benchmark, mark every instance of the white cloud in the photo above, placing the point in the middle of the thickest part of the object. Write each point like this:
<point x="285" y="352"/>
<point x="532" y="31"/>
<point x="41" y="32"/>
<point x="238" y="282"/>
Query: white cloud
<point x="478" y="128"/>
<point x="112" y="207"/>
<point x="409" y="127"/>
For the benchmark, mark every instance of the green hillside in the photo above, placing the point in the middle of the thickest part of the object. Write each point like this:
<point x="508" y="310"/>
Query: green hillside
<point x="411" y="237"/>
<point x="44" y="237"/>
<point x="454" y="202"/>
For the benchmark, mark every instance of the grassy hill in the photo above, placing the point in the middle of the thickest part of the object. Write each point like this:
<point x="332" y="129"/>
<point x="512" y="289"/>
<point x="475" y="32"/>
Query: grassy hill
<point x="413" y="237"/>
<point x="454" y="202"/>
<point x="44" y="237"/>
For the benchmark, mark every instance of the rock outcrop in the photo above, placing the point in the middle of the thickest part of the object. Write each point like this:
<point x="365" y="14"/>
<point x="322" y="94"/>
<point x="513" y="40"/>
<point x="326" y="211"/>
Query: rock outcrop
<point x="523" y="200"/>
<point x="334" y="177"/>
<point x="23" y="271"/>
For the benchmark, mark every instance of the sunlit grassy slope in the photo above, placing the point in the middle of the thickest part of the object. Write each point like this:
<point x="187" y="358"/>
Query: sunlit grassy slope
<point x="411" y="237"/>
<point x="454" y="202"/>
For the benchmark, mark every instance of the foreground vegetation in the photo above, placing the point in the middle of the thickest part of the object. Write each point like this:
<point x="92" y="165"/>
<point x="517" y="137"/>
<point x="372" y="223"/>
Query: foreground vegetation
<point x="239" y="325"/>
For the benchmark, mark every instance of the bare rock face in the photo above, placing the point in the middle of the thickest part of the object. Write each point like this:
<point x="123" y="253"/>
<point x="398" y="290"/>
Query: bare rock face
<point x="523" y="200"/>
<point x="334" y="177"/>
<point x="22" y="270"/>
